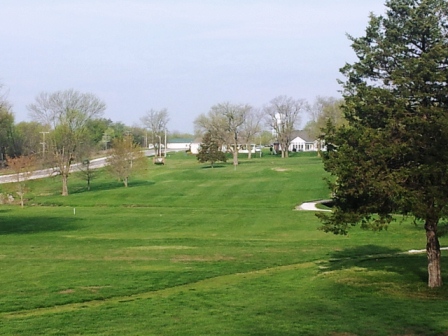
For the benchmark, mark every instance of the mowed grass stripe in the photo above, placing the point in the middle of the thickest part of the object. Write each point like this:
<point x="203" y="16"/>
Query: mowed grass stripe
<point x="215" y="282"/>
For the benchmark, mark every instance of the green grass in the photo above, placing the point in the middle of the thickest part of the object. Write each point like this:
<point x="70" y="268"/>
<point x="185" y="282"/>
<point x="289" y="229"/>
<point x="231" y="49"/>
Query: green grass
<point x="190" y="250"/>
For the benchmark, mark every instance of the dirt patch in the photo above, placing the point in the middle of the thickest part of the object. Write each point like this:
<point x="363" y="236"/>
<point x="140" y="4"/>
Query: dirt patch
<point x="67" y="291"/>
<point x="162" y="248"/>
<point x="94" y="289"/>
<point x="280" y="169"/>
<point x="189" y="258"/>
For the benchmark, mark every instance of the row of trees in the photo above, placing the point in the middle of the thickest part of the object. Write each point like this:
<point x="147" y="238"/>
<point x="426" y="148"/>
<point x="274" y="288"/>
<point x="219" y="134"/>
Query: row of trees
<point x="31" y="137"/>
<point x="69" y="112"/>
<point x="68" y="127"/>
<point x="231" y="125"/>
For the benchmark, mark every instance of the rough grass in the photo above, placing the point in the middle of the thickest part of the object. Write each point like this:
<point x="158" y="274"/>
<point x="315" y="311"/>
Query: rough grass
<point x="192" y="251"/>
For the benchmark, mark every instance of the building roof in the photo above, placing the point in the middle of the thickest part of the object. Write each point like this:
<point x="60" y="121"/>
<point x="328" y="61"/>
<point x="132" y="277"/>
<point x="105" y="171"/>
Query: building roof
<point x="303" y="135"/>
<point x="180" y="140"/>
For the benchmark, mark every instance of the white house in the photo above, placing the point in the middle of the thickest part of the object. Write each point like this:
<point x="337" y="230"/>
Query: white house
<point x="302" y="142"/>
<point x="195" y="145"/>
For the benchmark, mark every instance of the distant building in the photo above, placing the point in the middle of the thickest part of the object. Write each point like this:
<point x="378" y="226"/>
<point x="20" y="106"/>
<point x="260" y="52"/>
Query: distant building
<point x="301" y="142"/>
<point x="195" y="146"/>
<point x="242" y="149"/>
<point x="179" y="144"/>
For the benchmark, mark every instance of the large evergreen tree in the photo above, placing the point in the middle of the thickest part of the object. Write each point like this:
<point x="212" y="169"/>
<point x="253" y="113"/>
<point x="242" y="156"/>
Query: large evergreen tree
<point x="392" y="157"/>
<point x="210" y="150"/>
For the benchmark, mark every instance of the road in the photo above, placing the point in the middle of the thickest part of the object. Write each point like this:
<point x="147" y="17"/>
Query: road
<point x="94" y="164"/>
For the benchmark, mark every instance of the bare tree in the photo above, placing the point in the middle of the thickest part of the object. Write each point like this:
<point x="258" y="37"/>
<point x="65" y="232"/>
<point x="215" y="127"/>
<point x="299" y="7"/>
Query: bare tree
<point x="67" y="113"/>
<point x="126" y="158"/>
<point x="251" y="128"/>
<point x="235" y="116"/>
<point x="214" y="123"/>
<point x="224" y="121"/>
<point x="23" y="167"/>
<point x="283" y="115"/>
<point x="4" y="103"/>
<point x="156" y="122"/>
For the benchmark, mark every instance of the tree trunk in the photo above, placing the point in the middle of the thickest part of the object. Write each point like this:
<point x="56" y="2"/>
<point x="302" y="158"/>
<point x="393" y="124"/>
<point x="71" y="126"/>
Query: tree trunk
<point x="125" y="181"/>
<point x="285" y="149"/>
<point x="64" y="184"/>
<point x="21" y="195"/>
<point x="433" y="253"/>
<point x="235" y="154"/>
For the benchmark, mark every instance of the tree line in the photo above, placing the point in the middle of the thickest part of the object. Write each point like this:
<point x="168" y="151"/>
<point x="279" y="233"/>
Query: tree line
<point x="228" y="125"/>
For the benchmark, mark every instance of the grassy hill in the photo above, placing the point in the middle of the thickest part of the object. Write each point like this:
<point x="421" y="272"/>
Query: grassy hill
<point x="191" y="250"/>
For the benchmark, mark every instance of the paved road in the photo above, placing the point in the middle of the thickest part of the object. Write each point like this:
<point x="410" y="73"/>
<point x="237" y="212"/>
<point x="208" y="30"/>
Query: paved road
<point x="94" y="164"/>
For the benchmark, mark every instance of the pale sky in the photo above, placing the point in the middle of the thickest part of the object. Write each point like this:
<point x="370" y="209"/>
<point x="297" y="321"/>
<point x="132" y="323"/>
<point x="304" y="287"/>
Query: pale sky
<point x="183" y="55"/>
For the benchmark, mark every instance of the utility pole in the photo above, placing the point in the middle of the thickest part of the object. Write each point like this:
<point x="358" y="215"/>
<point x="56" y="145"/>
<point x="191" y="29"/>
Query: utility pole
<point x="43" y="143"/>
<point x="165" y="143"/>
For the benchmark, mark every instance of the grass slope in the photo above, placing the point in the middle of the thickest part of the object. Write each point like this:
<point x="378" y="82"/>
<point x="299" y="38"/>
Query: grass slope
<point x="190" y="250"/>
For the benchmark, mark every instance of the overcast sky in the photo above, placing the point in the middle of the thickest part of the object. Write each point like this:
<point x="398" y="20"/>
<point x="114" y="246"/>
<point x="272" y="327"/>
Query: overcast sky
<point x="183" y="55"/>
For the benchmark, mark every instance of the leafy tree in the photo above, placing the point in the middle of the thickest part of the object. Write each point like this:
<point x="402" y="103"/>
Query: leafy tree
<point x="29" y="137"/>
<point x="210" y="151"/>
<point x="125" y="159"/>
<point x="67" y="113"/>
<point x="96" y="128"/>
<point x="324" y="110"/>
<point x="140" y="135"/>
<point x="283" y="114"/>
<point x="266" y="138"/>
<point x="7" y="134"/>
<point x="180" y="135"/>
<point x="7" y="129"/>
<point x="392" y="158"/>
<point x="117" y="130"/>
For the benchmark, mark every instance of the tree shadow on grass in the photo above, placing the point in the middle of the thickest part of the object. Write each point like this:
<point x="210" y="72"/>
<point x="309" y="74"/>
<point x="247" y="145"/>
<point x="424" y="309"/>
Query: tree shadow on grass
<point x="110" y="186"/>
<point x="388" y="287"/>
<point x="378" y="258"/>
<point x="28" y="225"/>
<point x="210" y="167"/>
